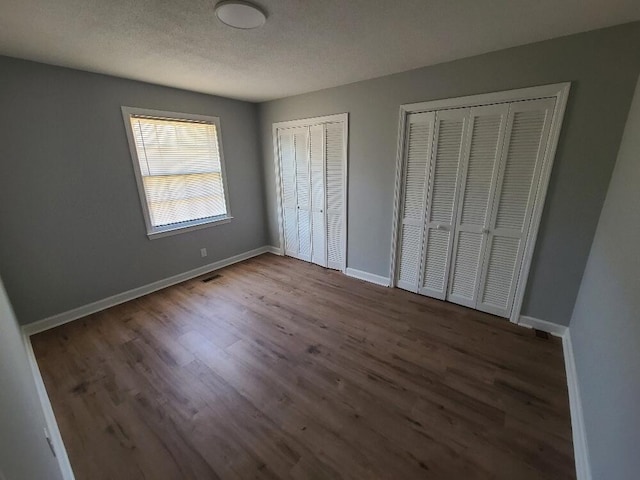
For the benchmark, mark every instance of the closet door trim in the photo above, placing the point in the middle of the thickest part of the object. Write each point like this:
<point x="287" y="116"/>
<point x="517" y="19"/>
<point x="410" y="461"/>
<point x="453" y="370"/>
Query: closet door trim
<point x="307" y="122"/>
<point x="559" y="91"/>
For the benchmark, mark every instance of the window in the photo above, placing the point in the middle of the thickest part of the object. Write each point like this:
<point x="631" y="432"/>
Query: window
<point x="179" y="168"/>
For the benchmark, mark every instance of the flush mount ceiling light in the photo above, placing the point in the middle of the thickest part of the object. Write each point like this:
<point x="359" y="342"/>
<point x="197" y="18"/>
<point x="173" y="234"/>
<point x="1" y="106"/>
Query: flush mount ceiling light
<point x="239" y="14"/>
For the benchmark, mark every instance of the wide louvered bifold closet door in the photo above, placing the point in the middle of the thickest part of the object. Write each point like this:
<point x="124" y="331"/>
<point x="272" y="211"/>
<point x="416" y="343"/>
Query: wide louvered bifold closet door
<point x="418" y="153"/>
<point x="479" y="175"/>
<point x="335" y="179"/>
<point x="287" y="151"/>
<point x="526" y="140"/>
<point x="318" y="223"/>
<point x="442" y="194"/>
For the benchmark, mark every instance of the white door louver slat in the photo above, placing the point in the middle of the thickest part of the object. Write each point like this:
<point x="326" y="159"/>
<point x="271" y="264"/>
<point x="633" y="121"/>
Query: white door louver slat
<point x="466" y="261"/>
<point x="445" y="167"/>
<point x="436" y="256"/>
<point x="500" y="271"/>
<point x="519" y="168"/>
<point x="312" y="175"/>
<point x="479" y="168"/>
<point x="411" y="249"/>
<point x="318" y="224"/>
<point x="442" y="192"/>
<point x="418" y="146"/>
<point x="446" y="170"/>
<point x="288" y="186"/>
<point x="303" y="188"/>
<point x="335" y="182"/>
<point x="526" y="139"/>
<point x="418" y="152"/>
<point x="486" y="132"/>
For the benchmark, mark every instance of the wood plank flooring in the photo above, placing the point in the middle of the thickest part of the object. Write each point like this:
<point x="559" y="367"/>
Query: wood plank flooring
<point x="282" y="369"/>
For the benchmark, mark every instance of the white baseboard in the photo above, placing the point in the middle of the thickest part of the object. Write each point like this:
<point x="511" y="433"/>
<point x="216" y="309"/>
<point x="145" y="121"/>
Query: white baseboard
<point x="580" y="449"/>
<point x="70" y="315"/>
<point x="49" y="417"/>
<point x="368" y="277"/>
<point x="552" y="328"/>
<point x="274" y="250"/>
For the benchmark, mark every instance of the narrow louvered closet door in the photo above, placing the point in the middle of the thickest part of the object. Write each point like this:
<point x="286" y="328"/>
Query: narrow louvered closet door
<point x="287" y="151"/>
<point x="318" y="221"/>
<point x="479" y="175"/>
<point x="526" y="139"/>
<point x="442" y="194"/>
<point x="413" y="206"/>
<point x="303" y="190"/>
<point x="312" y="170"/>
<point x="335" y="161"/>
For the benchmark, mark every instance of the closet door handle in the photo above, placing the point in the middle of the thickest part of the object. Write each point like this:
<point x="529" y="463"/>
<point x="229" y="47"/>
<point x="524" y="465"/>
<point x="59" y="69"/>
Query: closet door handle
<point x="485" y="230"/>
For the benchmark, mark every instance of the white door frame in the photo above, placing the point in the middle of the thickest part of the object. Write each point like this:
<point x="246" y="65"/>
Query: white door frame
<point x="307" y="122"/>
<point x="561" y="93"/>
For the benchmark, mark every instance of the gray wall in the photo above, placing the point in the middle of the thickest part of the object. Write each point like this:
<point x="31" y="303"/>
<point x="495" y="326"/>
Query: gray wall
<point x="24" y="453"/>
<point x="72" y="230"/>
<point x="603" y="66"/>
<point x="605" y="327"/>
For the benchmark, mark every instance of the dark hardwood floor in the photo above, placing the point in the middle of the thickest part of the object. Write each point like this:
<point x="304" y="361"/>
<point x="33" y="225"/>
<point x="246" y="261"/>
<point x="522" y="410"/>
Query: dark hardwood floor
<point x="282" y="369"/>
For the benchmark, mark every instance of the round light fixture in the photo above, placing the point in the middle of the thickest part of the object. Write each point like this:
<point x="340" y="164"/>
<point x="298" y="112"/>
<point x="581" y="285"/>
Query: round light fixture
<point x="239" y="14"/>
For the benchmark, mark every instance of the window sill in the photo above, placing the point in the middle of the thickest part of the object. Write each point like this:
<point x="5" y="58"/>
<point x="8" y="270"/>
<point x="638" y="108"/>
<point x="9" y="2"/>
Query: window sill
<point x="188" y="227"/>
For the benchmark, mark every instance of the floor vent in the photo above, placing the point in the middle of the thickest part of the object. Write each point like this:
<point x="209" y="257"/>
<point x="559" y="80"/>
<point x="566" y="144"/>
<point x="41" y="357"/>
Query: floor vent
<point x="212" y="277"/>
<point x="541" y="334"/>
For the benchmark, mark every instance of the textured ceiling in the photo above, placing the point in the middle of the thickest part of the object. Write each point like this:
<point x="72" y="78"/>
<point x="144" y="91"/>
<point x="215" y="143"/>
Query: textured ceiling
<point x="304" y="46"/>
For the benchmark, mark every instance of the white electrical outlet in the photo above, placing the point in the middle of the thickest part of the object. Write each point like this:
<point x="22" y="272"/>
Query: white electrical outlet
<point x="203" y="252"/>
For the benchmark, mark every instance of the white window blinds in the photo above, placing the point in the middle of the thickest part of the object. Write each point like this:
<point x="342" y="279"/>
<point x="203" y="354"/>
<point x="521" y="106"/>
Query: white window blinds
<point x="181" y="170"/>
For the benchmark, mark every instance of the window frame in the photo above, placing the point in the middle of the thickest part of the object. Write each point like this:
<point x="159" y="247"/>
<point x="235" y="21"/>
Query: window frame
<point x="181" y="227"/>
